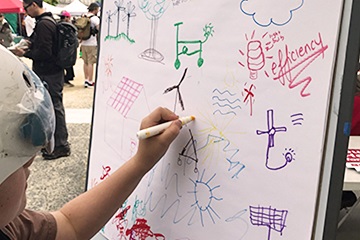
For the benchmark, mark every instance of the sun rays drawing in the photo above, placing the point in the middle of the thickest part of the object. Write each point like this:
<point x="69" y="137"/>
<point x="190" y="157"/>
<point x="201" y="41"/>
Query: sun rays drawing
<point x="204" y="197"/>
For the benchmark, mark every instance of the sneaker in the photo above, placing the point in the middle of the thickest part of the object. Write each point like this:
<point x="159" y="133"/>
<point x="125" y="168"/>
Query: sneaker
<point x="58" y="152"/>
<point x="68" y="84"/>
<point x="89" y="84"/>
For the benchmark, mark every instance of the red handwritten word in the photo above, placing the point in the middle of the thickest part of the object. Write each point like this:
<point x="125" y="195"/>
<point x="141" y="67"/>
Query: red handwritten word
<point x="291" y="63"/>
<point x="140" y="231"/>
<point x="106" y="170"/>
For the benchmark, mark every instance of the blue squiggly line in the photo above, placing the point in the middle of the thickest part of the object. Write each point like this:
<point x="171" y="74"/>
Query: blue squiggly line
<point x="174" y="205"/>
<point x="238" y="216"/>
<point x="167" y="205"/>
<point x="222" y="93"/>
<point x="230" y="112"/>
<point x="233" y="164"/>
<point x="168" y="179"/>
<point x="226" y="105"/>
<point x="227" y="100"/>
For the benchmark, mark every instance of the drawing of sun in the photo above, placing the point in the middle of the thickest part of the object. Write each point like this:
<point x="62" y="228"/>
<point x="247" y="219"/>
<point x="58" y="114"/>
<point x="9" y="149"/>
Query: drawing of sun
<point x="289" y="155"/>
<point x="204" y="196"/>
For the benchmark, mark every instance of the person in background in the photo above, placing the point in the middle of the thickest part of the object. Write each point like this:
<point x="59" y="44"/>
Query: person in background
<point x="89" y="46"/>
<point x="6" y="38"/>
<point x="28" y="131"/>
<point x="2" y="19"/>
<point x="349" y="197"/>
<point x="42" y="52"/>
<point x="29" y="25"/>
<point x="69" y="72"/>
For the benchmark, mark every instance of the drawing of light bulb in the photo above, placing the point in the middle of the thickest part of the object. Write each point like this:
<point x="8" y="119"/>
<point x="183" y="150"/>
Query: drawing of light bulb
<point x="255" y="58"/>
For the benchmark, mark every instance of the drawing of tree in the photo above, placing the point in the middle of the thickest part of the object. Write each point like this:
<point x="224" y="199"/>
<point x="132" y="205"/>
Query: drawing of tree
<point x="153" y="10"/>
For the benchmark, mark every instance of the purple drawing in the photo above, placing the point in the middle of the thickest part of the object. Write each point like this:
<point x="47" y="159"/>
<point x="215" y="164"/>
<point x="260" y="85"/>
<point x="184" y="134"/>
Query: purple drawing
<point x="272" y="130"/>
<point x="289" y="155"/>
<point x="125" y="95"/>
<point x="270" y="217"/>
<point x="297" y="119"/>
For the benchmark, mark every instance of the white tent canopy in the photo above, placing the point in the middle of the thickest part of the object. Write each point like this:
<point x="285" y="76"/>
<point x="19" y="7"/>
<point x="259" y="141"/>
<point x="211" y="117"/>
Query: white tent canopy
<point x="51" y="8"/>
<point x="76" y="8"/>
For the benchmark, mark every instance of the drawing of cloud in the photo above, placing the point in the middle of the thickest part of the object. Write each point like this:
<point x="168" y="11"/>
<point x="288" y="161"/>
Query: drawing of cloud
<point x="265" y="12"/>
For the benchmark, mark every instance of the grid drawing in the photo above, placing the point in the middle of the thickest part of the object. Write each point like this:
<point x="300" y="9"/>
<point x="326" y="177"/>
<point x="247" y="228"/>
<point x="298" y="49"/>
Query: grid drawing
<point x="124" y="96"/>
<point x="270" y="217"/>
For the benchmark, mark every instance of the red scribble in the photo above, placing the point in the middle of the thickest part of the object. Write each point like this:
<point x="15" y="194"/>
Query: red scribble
<point x="140" y="231"/>
<point x="106" y="170"/>
<point x="121" y="223"/>
<point x="249" y="96"/>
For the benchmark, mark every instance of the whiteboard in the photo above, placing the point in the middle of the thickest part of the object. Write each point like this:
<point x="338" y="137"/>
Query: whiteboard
<point x="256" y="74"/>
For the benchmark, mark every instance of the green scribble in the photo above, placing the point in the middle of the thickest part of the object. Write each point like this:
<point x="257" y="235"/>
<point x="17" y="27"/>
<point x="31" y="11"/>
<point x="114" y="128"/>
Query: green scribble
<point x="118" y="37"/>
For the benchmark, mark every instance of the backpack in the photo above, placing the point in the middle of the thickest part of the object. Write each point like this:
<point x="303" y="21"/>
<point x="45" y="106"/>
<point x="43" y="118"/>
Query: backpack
<point x="66" y="43"/>
<point x="85" y="30"/>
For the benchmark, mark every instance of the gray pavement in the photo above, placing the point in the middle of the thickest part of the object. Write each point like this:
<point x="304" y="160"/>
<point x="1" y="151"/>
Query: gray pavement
<point x="54" y="182"/>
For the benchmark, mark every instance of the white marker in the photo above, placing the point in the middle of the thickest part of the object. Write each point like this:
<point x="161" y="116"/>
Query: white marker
<point x="155" y="130"/>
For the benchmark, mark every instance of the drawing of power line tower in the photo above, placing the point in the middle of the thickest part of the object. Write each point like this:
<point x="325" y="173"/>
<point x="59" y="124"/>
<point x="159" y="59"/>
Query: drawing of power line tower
<point x="129" y="13"/>
<point x="153" y="10"/>
<point x="269" y="217"/>
<point x="208" y="31"/>
<point x="119" y="9"/>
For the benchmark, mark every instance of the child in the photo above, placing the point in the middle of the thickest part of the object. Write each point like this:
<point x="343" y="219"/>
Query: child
<point x="27" y="125"/>
<point x="6" y="37"/>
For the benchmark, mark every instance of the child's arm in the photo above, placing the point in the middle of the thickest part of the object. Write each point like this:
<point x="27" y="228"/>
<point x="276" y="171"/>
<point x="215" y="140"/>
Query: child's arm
<point x="84" y="216"/>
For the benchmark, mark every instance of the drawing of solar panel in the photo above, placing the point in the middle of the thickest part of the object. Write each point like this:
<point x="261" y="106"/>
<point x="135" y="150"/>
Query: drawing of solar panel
<point x="124" y="96"/>
<point x="270" y="217"/>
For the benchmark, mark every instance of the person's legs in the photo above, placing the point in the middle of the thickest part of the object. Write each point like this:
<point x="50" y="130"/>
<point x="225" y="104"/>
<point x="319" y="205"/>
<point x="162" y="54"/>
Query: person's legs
<point x="90" y="58"/>
<point x="86" y="71"/>
<point x="90" y="70"/>
<point x="55" y="87"/>
<point x="69" y="76"/>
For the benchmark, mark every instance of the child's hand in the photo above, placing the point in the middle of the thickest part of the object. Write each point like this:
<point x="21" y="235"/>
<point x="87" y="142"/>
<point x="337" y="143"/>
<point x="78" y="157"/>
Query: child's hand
<point x="152" y="149"/>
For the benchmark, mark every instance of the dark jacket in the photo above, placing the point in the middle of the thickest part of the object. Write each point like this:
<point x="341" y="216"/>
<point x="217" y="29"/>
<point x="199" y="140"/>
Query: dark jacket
<point x="43" y="46"/>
